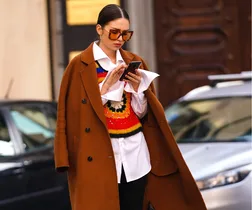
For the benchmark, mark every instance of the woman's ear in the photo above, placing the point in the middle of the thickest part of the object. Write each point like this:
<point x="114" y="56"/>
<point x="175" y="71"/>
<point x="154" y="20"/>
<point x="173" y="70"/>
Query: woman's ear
<point x="99" y="29"/>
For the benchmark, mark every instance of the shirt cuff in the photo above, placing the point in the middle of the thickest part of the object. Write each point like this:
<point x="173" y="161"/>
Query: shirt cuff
<point x="147" y="78"/>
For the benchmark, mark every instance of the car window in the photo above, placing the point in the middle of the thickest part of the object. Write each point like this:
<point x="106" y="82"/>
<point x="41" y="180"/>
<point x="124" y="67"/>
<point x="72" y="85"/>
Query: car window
<point x="6" y="145"/>
<point x="223" y="119"/>
<point x="33" y="125"/>
<point x="51" y="112"/>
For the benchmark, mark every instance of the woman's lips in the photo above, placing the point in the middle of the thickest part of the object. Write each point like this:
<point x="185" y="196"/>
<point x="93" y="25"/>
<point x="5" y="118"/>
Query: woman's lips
<point x="117" y="45"/>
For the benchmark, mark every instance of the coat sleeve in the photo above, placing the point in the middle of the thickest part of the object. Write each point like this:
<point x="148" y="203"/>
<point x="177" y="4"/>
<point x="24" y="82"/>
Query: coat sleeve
<point x="60" y="141"/>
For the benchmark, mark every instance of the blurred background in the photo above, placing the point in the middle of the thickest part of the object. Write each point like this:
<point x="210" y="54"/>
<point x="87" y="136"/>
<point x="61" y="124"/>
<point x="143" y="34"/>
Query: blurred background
<point x="184" y="41"/>
<point x="200" y="48"/>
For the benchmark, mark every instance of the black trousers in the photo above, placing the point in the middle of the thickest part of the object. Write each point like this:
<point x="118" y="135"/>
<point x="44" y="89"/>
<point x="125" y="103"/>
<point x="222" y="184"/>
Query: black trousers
<point x="131" y="194"/>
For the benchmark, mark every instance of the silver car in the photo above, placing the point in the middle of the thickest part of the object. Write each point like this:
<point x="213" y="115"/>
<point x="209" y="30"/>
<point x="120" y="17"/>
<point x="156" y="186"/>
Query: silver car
<point x="212" y="126"/>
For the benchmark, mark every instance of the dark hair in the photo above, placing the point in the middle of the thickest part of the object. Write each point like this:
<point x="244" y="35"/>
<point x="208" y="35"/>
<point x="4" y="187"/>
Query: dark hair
<point x="111" y="12"/>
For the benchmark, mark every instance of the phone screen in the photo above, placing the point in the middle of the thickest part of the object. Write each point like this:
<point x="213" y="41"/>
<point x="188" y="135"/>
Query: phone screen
<point x="131" y="68"/>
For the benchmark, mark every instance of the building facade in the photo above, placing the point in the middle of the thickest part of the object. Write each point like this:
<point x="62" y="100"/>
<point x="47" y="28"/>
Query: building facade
<point x="183" y="41"/>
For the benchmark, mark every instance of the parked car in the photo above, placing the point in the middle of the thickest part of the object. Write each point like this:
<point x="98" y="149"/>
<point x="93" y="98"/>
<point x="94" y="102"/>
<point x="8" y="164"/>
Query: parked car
<point x="28" y="179"/>
<point x="212" y="126"/>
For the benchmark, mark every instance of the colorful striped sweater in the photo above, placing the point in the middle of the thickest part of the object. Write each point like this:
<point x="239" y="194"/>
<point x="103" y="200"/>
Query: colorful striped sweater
<point x="121" y="119"/>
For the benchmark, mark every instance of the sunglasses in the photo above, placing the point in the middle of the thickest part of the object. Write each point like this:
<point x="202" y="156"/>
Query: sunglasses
<point x="114" y="34"/>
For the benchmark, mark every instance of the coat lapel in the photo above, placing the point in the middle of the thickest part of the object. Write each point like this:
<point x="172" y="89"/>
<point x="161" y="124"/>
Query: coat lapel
<point x="89" y="79"/>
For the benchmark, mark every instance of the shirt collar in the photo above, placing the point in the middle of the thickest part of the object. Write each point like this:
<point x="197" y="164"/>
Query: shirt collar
<point x="99" y="54"/>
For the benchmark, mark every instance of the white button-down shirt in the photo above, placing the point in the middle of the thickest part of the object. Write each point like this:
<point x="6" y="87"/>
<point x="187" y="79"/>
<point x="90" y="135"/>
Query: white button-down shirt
<point x="131" y="152"/>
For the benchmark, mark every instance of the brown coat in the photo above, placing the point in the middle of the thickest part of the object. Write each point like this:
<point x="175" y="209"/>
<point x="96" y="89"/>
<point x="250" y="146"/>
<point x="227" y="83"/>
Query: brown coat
<point x="83" y="148"/>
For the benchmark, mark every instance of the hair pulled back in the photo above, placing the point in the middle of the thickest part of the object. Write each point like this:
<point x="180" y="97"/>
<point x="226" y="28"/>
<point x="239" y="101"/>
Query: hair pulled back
<point x="111" y="12"/>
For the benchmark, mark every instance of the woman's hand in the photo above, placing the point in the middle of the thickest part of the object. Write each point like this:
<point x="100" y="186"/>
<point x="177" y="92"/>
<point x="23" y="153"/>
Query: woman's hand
<point x="113" y="77"/>
<point x="134" y="79"/>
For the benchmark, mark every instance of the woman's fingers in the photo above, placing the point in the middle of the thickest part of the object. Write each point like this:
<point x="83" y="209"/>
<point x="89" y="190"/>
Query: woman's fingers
<point x="138" y="73"/>
<point x="116" y="74"/>
<point x="121" y="67"/>
<point x="132" y="80"/>
<point x="134" y="77"/>
<point x="119" y="70"/>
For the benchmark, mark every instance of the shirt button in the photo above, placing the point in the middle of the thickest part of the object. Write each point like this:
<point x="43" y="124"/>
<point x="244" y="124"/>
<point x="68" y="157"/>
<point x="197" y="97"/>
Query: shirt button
<point x="87" y="130"/>
<point x="84" y="101"/>
<point x="89" y="158"/>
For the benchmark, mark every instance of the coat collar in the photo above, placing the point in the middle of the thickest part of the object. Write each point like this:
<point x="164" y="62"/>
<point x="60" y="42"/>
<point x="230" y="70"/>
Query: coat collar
<point x="89" y="79"/>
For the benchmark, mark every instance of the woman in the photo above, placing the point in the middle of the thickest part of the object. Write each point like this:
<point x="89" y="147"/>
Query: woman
<point x="112" y="136"/>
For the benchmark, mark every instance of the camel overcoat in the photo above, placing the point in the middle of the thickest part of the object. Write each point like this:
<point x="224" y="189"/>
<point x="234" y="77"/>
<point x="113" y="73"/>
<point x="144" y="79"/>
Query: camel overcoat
<point x="83" y="147"/>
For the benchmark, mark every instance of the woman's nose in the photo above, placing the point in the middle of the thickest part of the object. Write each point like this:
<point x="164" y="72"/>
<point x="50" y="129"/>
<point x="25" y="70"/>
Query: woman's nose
<point x="120" y="38"/>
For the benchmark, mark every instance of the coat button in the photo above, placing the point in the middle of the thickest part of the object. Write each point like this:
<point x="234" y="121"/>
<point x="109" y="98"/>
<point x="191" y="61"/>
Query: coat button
<point x="87" y="130"/>
<point x="84" y="101"/>
<point x="89" y="158"/>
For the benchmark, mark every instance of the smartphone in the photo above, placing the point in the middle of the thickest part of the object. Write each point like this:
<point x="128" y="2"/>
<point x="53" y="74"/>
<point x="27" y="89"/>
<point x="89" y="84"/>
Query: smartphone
<point x="131" y="68"/>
